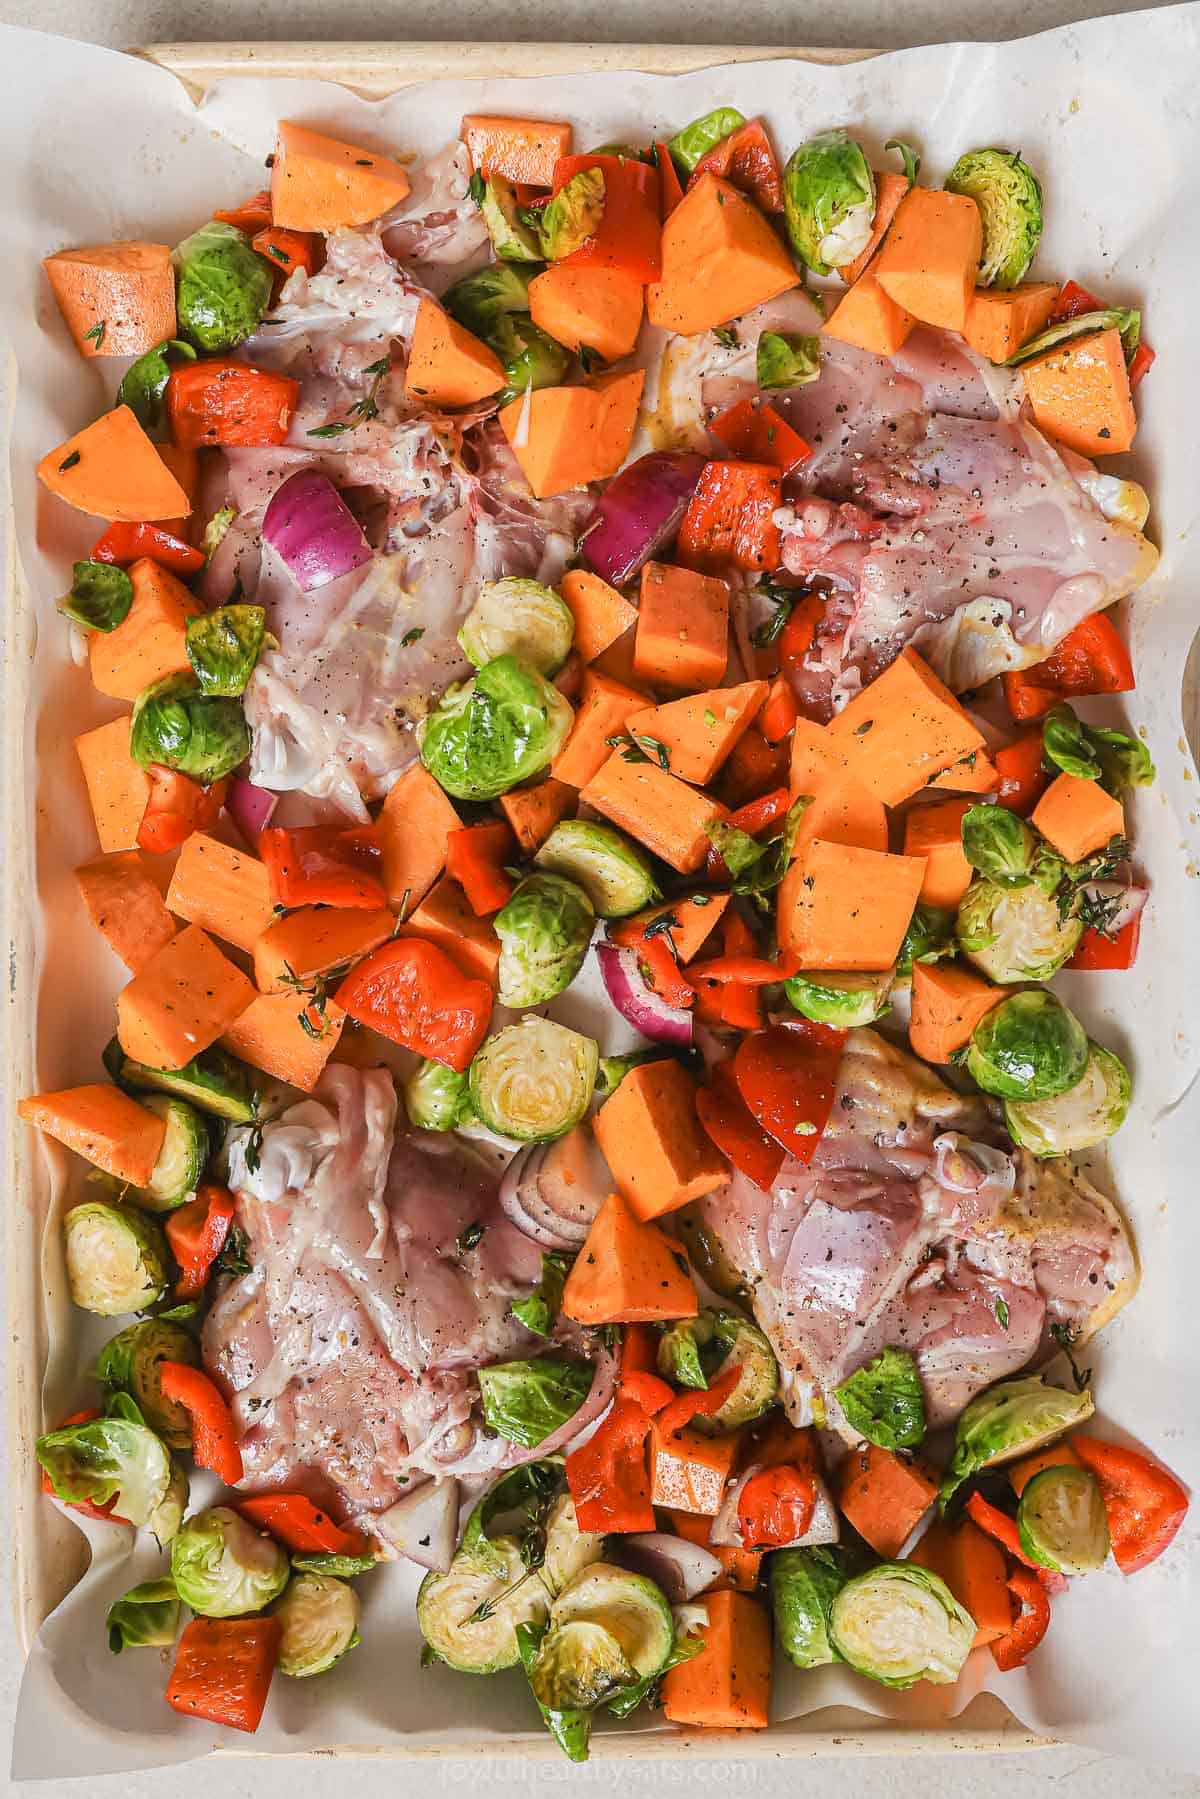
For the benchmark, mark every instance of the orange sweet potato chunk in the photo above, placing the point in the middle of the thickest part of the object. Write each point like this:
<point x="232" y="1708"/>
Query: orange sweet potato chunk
<point x="720" y="258"/>
<point x="226" y="891"/>
<point x="869" y="318"/>
<point x="150" y="641"/>
<point x="564" y="437"/>
<point x="524" y="150"/>
<point x="447" y="364"/>
<point x="111" y="470"/>
<point x="414" y="828"/>
<point x="928" y="261"/>
<point x="847" y="908"/>
<point x="682" y="628"/>
<point x="588" y="307"/>
<point x="653" y="1142"/>
<point x="1000" y="320"/>
<point x="117" y="299"/>
<point x="126" y="907"/>
<point x="1080" y="394"/>
<point x="320" y="184"/>
<point x="181" y="1001"/>
<point x="670" y="818"/>
<point x="601" y="614"/>
<point x="118" y="787"/>
<point x="103" y="1125"/>
<point x="269" y="1035"/>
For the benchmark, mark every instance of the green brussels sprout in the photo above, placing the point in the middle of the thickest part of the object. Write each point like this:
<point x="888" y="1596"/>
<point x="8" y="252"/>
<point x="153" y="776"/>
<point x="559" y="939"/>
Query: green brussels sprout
<point x="898" y="1624"/>
<point x="531" y="357"/>
<point x="435" y="1097"/>
<point x="539" y="1311"/>
<point x="147" y="1617"/>
<point x="319" y="1615"/>
<point x="517" y="617"/>
<point x="693" y="143"/>
<point x="222" y="1566"/>
<point x="845" y="1000"/>
<point x="490" y="734"/>
<point x="224" y="286"/>
<point x="1028" y="1047"/>
<point x="1086" y="1114"/>
<point x="1125" y="319"/>
<point x="608" y="1629"/>
<point x="214" y="1082"/>
<point x="1009" y="1420"/>
<point x="828" y="201"/>
<point x="179" y="725"/>
<point x="568" y="1550"/>
<point x="116" y="1258"/>
<point x="115" y="1457"/>
<point x="884" y="1402"/>
<point x="223" y="647"/>
<point x="612" y="1070"/>
<point x="526" y="1402"/>
<point x="165" y="1520"/>
<point x="804" y="1584"/>
<point x="1094" y="752"/>
<point x="544" y="931"/>
<point x="533" y="1081"/>
<point x="182" y="1159"/>
<point x="697" y="1351"/>
<point x="469" y="1615"/>
<point x="1009" y="197"/>
<point x="131" y="1362"/>
<point x="100" y="597"/>
<point x="929" y="938"/>
<point x="144" y="384"/>
<point x="1015" y="933"/>
<point x="613" y="872"/>
<point x="513" y="239"/>
<point x="573" y="215"/>
<point x="1062" y="1521"/>
<point x="328" y="1561"/>
<point x="787" y="359"/>
<point x="480" y="300"/>
<point x="999" y="845"/>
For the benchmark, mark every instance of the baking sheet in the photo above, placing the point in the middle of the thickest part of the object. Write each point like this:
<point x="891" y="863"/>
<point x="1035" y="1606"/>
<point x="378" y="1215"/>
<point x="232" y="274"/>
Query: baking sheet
<point x="131" y="157"/>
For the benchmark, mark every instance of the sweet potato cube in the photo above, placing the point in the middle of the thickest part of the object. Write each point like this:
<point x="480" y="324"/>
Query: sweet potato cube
<point x="883" y="1497"/>
<point x="564" y="437"/>
<point x="523" y="150"/>
<point x="728" y="1685"/>
<point x="315" y="940"/>
<point x="720" y="258"/>
<point x="902" y="729"/>
<point x="224" y="890"/>
<point x="1080" y="395"/>
<point x="867" y="317"/>
<point x="653" y="1141"/>
<point x="670" y="818"/>
<point x="690" y="1471"/>
<point x="928" y="261"/>
<point x="533" y="812"/>
<point x="103" y="1125"/>
<point x="117" y="299"/>
<point x="605" y="706"/>
<point x="700" y="731"/>
<point x="118" y="787"/>
<point x="444" y="917"/>
<point x="414" y="829"/>
<point x="1000" y="320"/>
<point x="843" y="812"/>
<point x="1078" y="817"/>
<point x="181" y="1001"/>
<point x="150" y="641"/>
<point x="973" y="773"/>
<point x="935" y="832"/>
<point x="972" y="1565"/>
<point x="284" y="1037"/>
<point x="126" y="907"/>
<point x="319" y="183"/>
<point x="847" y="908"/>
<point x="627" y="1273"/>
<point x="890" y="189"/>
<point x="682" y="628"/>
<point x="588" y="307"/>
<point x="601" y="614"/>
<point x="447" y="364"/>
<point x="111" y="470"/>
<point x="947" y="1004"/>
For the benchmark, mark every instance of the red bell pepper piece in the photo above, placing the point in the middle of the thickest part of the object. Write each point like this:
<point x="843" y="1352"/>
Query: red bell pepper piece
<point x="796" y="638"/>
<point x="787" y="1075"/>
<point x="608" y="1475"/>
<point x="660" y="970"/>
<point x="214" y="1433"/>
<point x="176" y="807"/>
<point x="301" y="1526"/>
<point x="1023" y="775"/>
<point x="639" y="1379"/>
<point x="737" y="939"/>
<point x="475" y="858"/>
<point x="731" y="1125"/>
<point x="1072" y="300"/>
<point x="669" y="191"/>
<point x="775" y="1507"/>
<point x="754" y="767"/>
<point x="1145" y="1503"/>
<point x="253" y="215"/>
<point x="223" y="1669"/>
<point x="629" y="236"/>
<point x="729" y="1007"/>
<point x="103" y="1514"/>
<point x="998" y="1525"/>
<point x="649" y="1391"/>
<point x="123" y="543"/>
<point x="412" y="993"/>
<point x="323" y="865"/>
<point x="220" y="400"/>
<point x="1140" y="364"/>
<point x="1090" y="659"/>
<point x="196" y="1233"/>
<point x="778" y="714"/>
<point x="697" y="1402"/>
<point x="1096" y="949"/>
<point x="731" y="518"/>
<point x="754" y="430"/>
<point x="287" y="250"/>
<point x="755" y="816"/>
<point x="746" y="160"/>
<point x="1012" y="1650"/>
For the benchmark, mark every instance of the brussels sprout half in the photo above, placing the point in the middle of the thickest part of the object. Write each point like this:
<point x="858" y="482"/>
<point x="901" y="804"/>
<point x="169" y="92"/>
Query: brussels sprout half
<point x="223" y="647"/>
<point x="787" y="359"/>
<point x="898" y="1624"/>
<point x="533" y="1081"/>
<point x="183" y="1156"/>
<point x="1009" y="197"/>
<point x="531" y="357"/>
<point x="512" y="239"/>
<point x="569" y="1550"/>
<point x="116" y="1258"/>
<point x="222" y="1566"/>
<point x="131" y="1362"/>
<point x="1086" y="1114"/>
<point x="884" y="1401"/>
<point x="699" y="1350"/>
<point x="575" y="213"/>
<point x="1094" y="752"/>
<point x="214" y="1082"/>
<point x="1010" y="1420"/>
<point x="108" y="1458"/>
<point x="224" y="286"/>
<point x="612" y="871"/>
<point x="516" y="617"/>
<point x="436" y="1098"/>
<point x="480" y="300"/>
<point x="929" y="938"/>
<point x="846" y="1000"/>
<point x="494" y="732"/>
<point x="828" y="201"/>
<point x="526" y="1402"/>
<point x="1015" y="933"/>
<point x="100" y="597"/>
<point x="693" y="143"/>
<point x="147" y="1617"/>
<point x="1028" y="1047"/>
<point x="1062" y="1522"/>
<point x="608" y="1628"/>
<point x="804" y="1584"/>
<point x="177" y="724"/>
<point x="319" y="1615"/>
<point x="999" y="845"/>
<point x="544" y="930"/>
<point x="469" y="1616"/>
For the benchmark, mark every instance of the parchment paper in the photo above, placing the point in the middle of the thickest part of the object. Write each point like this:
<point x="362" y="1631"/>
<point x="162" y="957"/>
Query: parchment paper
<point x="94" y="146"/>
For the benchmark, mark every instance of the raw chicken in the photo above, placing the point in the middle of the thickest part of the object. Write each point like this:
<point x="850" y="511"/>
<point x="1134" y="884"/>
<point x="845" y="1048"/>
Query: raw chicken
<point x="917" y="1225"/>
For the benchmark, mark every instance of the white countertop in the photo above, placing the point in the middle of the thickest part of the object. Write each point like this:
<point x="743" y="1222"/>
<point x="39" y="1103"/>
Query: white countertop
<point x="804" y="22"/>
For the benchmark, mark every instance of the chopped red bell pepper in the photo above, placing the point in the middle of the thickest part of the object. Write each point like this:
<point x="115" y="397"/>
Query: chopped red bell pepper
<point x="669" y="191"/>
<point x="754" y="430"/>
<point x="1073" y="300"/>
<point x="737" y="939"/>
<point x="253" y="215"/>
<point x="731" y="518"/>
<point x="697" y="1402"/>
<point x="1145" y="1503"/>
<point x="1023" y="774"/>
<point x="301" y="1526"/>
<point x="754" y="767"/>
<point x="796" y="638"/>
<point x="177" y="806"/>
<point x="475" y="858"/>
<point x="288" y="250"/>
<point x="223" y="1670"/>
<point x="629" y="236"/>
<point x="1032" y="1621"/>
<point x="123" y="543"/>
<point x="324" y="865"/>
<point x="649" y="1391"/>
<point x="639" y="1379"/>
<point x="741" y="971"/>
<point x="746" y="160"/>
<point x="103" y="1514"/>
<point x="729" y="1007"/>
<point x="196" y="1233"/>
<point x="755" y="816"/>
<point x="1090" y="659"/>
<point x="656" y="960"/>
<point x="1140" y="364"/>
<point x="214" y="1433"/>
<point x="220" y="400"/>
<point x="787" y="1075"/>
<point x="412" y="993"/>
<point x="1003" y="1529"/>
<point x="608" y="1475"/>
<point x="1097" y="950"/>
<point x="778" y="714"/>
<point x="731" y="1125"/>
<point x="775" y="1507"/>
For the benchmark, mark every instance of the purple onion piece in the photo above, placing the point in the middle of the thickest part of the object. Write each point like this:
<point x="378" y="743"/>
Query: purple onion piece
<point x="640" y="512"/>
<point x="423" y="1525"/>
<point x="250" y="807"/>
<point x="313" y="531"/>
<point x="638" y="1004"/>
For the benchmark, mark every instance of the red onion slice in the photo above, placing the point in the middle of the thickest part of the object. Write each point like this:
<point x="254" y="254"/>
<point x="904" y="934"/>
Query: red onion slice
<point x="680" y="1568"/>
<point x="638" y="1004"/>
<point x="313" y="531"/>
<point x="250" y="807"/>
<point x="424" y="1524"/>
<point x="639" y="513"/>
<point x="1130" y="901"/>
<point x="518" y="1188"/>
